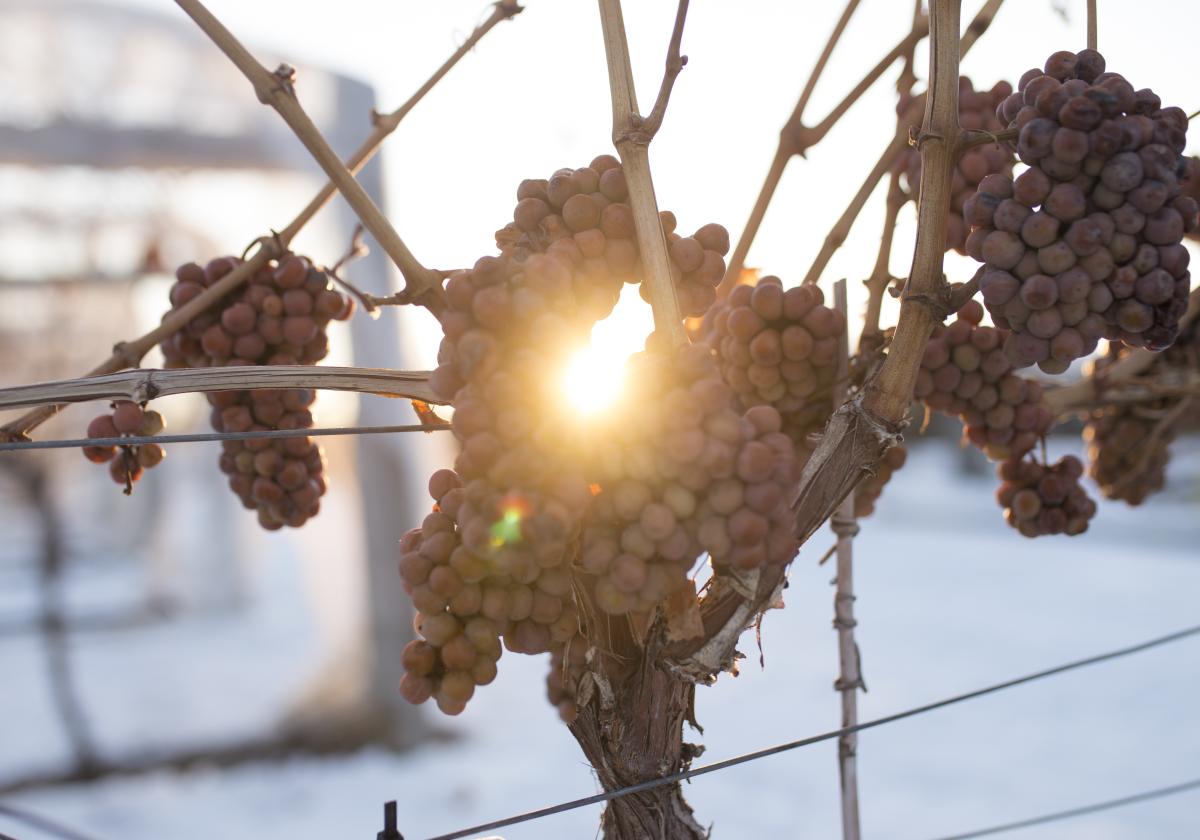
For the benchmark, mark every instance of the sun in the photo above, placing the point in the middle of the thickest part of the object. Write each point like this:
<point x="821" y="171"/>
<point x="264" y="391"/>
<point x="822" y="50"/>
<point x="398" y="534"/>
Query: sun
<point x="594" y="375"/>
<point x="592" y="380"/>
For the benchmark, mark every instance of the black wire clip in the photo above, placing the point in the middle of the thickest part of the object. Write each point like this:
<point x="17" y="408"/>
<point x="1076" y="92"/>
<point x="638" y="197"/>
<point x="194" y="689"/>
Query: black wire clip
<point x="390" y="832"/>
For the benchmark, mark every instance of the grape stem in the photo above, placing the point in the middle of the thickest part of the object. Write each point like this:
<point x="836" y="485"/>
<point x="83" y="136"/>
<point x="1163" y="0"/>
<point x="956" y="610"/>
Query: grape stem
<point x="850" y="677"/>
<point x="277" y="89"/>
<point x="1091" y="25"/>
<point x="633" y="145"/>
<point x="128" y="354"/>
<point x="145" y="384"/>
<point x="973" y="137"/>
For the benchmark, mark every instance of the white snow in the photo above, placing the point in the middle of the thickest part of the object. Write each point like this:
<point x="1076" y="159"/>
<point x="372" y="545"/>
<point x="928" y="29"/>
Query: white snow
<point x="950" y="599"/>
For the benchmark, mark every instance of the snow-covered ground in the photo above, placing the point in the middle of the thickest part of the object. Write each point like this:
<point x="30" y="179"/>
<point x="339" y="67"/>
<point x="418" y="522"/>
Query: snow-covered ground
<point x="949" y="599"/>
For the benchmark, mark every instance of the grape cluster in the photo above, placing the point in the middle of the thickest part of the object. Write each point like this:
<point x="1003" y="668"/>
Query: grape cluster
<point x="976" y="110"/>
<point x="966" y="372"/>
<point x="126" y="463"/>
<point x="692" y="475"/>
<point x="277" y="318"/>
<point x="1040" y="499"/>
<point x="583" y="217"/>
<point x="779" y="348"/>
<point x="1191" y="188"/>
<point x="541" y="509"/>
<point x="1085" y="243"/>
<point x="465" y="608"/>
<point x="1129" y="444"/>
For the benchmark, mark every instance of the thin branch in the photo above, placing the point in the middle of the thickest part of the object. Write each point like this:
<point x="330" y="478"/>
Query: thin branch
<point x="737" y="260"/>
<point x="276" y="89"/>
<point x="805" y="138"/>
<point x="960" y="293"/>
<point x="209" y="437"/>
<point x="863" y="430"/>
<point x="979" y="24"/>
<point x="1067" y="400"/>
<point x="130" y="353"/>
<point x="146" y="384"/>
<point x="385" y="124"/>
<point x="973" y="137"/>
<point x="675" y="63"/>
<point x="881" y="275"/>
<point x="850" y="677"/>
<point x="796" y="138"/>
<point x="819" y="68"/>
<point x="633" y="146"/>
<point x="1091" y="25"/>
<point x="907" y="79"/>
<point x="841" y="228"/>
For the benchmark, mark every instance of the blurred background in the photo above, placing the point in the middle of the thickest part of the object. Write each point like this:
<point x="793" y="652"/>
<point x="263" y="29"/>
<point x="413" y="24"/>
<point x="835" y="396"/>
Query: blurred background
<point x="169" y="670"/>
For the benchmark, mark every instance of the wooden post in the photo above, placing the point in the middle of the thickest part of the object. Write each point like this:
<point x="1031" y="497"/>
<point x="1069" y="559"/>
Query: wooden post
<point x="850" y="678"/>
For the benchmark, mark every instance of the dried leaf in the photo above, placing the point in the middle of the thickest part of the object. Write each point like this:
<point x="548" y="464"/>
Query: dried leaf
<point x="683" y="614"/>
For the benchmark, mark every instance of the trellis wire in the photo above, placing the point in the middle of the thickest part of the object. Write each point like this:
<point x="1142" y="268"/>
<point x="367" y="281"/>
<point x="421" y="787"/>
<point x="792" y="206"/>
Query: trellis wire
<point x="1081" y="811"/>
<point x="198" y="437"/>
<point x="826" y="736"/>
<point x="58" y="830"/>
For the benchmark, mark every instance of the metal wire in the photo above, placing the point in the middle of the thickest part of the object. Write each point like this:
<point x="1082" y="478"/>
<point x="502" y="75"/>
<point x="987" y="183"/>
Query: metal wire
<point x="815" y="739"/>
<point x="41" y="824"/>
<point x="1083" y="810"/>
<point x="135" y="440"/>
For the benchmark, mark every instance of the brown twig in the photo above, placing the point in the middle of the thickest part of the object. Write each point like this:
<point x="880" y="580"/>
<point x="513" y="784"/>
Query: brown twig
<point x="841" y="228"/>
<point x="130" y="353"/>
<point x="675" y="63"/>
<point x="960" y="293"/>
<point x="1064" y="401"/>
<point x="1091" y="25"/>
<point x="973" y="137"/>
<point x="845" y="222"/>
<point x="796" y="138"/>
<point x="145" y="384"/>
<point x="633" y="146"/>
<point x="881" y="275"/>
<point x="861" y="431"/>
<point x="422" y="285"/>
<point x="805" y="138"/>
<point x="357" y="250"/>
<point x="850" y="679"/>
<point x="979" y="24"/>
<point x="907" y="79"/>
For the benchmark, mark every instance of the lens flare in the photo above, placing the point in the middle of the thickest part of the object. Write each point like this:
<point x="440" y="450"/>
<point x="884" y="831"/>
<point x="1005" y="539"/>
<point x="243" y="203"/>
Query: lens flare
<point x="507" y="529"/>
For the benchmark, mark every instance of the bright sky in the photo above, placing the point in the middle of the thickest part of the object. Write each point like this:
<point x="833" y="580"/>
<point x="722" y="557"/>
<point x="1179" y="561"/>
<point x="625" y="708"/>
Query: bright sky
<point x="534" y="98"/>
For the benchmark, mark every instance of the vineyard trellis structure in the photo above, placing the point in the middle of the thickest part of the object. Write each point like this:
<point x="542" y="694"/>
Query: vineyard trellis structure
<point x="627" y="687"/>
